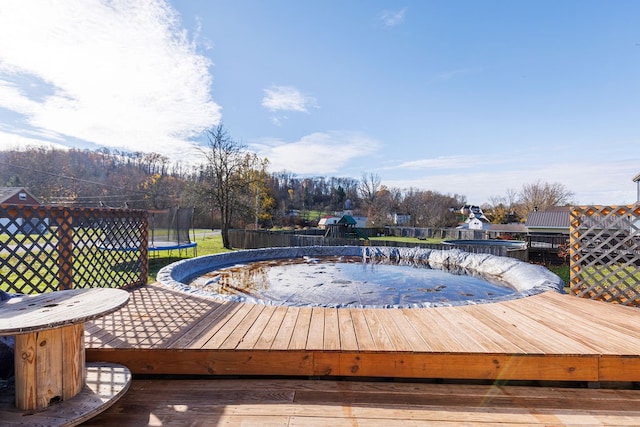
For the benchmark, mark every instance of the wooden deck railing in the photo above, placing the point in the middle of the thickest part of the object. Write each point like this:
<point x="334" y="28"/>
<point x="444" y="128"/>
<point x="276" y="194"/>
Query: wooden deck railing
<point x="605" y="253"/>
<point x="48" y="248"/>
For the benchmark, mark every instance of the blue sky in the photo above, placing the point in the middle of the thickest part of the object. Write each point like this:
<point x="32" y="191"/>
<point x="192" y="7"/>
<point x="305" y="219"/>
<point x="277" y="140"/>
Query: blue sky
<point x="471" y="97"/>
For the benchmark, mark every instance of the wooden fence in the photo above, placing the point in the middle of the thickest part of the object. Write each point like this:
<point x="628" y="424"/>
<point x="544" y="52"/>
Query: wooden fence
<point x="605" y="253"/>
<point x="436" y="233"/>
<point x="45" y="248"/>
<point x="252" y="239"/>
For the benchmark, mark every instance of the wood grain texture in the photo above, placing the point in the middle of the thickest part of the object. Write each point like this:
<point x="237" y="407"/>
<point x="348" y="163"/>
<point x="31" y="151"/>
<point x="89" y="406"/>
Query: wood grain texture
<point x="32" y="313"/>
<point x="545" y="337"/>
<point x="348" y="403"/>
<point x="105" y="384"/>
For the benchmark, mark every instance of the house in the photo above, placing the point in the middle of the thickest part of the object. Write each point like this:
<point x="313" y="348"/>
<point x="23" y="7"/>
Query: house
<point x="469" y="210"/>
<point x="361" y="221"/>
<point x="475" y="218"/>
<point x="400" y="219"/>
<point x="20" y="196"/>
<point x="478" y="223"/>
<point x="17" y="196"/>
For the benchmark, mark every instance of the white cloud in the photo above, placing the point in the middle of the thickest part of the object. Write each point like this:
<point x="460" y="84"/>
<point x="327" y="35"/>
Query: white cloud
<point x="391" y="18"/>
<point x="287" y="98"/>
<point x="12" y="98"/>
<point x="12" y="141"/>
<point x="114" y="73"/>
<point x="318" y="153"/>
<point x="447" y="162"/>
<point x="591" y="182"/>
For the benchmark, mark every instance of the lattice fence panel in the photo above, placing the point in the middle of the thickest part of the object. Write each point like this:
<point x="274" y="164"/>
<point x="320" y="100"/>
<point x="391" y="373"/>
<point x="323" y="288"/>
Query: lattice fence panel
<point x="51" y="248"/>
<point x="605" y="253"/>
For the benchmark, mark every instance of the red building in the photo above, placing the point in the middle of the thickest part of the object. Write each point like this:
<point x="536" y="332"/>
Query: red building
<point x="17" y="196"/>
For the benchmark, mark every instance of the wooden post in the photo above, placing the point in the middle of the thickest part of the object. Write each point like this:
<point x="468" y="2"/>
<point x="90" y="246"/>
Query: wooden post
<point x="143" y="261"/>
<point x="65" y="249"/>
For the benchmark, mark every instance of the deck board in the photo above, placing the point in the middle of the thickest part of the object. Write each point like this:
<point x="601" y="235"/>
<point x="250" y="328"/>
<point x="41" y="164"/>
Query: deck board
<point x="252" y="336"/>
<point x="423" y="322"/>
<point x="348" y="337"/>
<point x="315" y="337"/>
<point x="239" y="335"/>
<point x="399" y="339"/>
<point x="404" y="326"/>
<point x="227" y="326"/>
<point x="283" y="337"/>
<point x="348" y="403"/>
<point x="538" y="331"/>
<point x="202" y="331"/>
<point x="547" y="337"/>
<point x="269" y="333"/>
<point x="301" y="329"/>
<point x="591" y="319"/>
<point x="477" y="324"/>
<point x="511" y="338"/>
<point x="578" y="329"/>
<point x="331" y="338"/>
<point x="362" y="331"/>
<point x="381" y="338"/>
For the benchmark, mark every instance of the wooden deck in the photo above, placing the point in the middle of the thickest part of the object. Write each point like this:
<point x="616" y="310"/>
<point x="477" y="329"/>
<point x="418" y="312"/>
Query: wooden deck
<point x="276" y="402"/>
<point x="545" y="337"/>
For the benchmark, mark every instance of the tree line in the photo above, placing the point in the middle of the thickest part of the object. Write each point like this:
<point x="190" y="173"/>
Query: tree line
<point x="232" y="188"/>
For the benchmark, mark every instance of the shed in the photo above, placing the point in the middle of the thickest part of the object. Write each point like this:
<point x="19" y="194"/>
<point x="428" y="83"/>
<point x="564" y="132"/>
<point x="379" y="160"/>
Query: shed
<point x="555" y="220"/>
<point x="548" y="234"/>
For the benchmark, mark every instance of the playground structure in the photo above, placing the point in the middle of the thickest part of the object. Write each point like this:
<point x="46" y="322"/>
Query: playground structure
<point x="170" y="229"/>
<point x="346" y="227"/>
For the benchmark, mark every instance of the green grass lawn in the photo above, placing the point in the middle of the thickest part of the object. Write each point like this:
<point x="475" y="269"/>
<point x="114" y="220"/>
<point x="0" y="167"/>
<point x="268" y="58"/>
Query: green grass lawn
<point x="208" y="243"/>
<point x="563" y="272"/>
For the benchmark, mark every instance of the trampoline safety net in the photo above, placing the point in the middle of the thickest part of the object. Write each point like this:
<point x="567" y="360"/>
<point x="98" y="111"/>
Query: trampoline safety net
<point x="170" y="227"/>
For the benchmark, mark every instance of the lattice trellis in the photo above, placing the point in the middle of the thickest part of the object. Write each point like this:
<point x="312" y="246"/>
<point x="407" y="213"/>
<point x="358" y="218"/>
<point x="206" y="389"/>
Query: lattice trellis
<point x="51" y="248"/>
<point x="605" y="253"/>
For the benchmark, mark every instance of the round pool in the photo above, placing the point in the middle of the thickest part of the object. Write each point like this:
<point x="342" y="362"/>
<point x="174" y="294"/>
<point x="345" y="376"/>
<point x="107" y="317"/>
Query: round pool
<point x="352" y="276"/>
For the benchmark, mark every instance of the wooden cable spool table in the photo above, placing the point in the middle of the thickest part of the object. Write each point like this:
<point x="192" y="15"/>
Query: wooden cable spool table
<point x="49" y="347"/>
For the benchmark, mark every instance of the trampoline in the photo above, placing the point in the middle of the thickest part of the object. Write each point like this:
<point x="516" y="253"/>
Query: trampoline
<point x="170" y="229"/>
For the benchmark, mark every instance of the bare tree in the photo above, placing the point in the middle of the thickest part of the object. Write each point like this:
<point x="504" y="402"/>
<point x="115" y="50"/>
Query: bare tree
<point x="430" y="208"/>
<point x="542" y="195"/>
<point x="368" y="188"/>
<point x="229" y="176"/>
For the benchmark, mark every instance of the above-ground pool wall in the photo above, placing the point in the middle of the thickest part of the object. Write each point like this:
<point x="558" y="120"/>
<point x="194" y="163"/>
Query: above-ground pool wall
<point x="526" y="279"/>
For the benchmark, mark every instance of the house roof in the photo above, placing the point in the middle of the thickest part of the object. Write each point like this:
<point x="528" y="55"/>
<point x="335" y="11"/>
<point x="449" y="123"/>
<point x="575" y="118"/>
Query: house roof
<point x="636" y="178"/>
<point x="556" y="217"/>
<point x="8" y="192"/>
